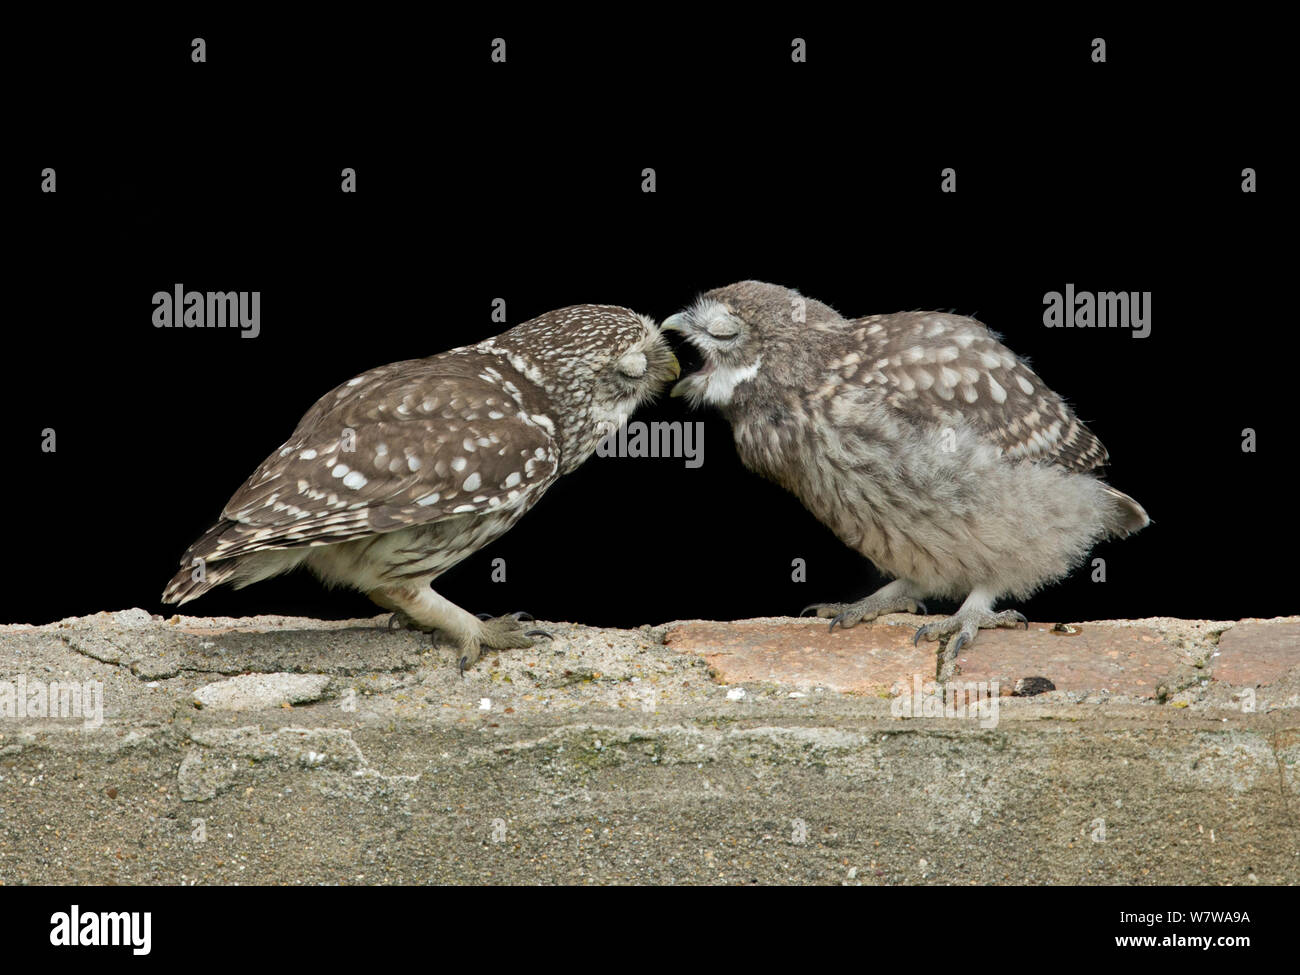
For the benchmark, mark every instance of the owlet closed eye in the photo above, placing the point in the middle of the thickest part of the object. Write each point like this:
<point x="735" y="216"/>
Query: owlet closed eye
<point x="723" y="328"/>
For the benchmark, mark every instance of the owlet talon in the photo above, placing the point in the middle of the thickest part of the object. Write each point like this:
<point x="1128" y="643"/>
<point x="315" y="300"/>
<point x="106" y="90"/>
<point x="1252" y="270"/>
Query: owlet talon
<point x="974" y="615"/>
<point x="897" y="597"/>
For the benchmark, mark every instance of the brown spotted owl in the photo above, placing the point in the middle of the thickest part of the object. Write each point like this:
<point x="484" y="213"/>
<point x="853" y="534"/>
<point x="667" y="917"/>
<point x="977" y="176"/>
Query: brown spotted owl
<point x="402" y="472"/>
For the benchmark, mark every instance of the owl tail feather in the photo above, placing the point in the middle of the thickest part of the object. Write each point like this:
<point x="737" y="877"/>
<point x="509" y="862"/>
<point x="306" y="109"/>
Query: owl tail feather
<point x="185" y="587"/>
<point x="1125" y="516"/>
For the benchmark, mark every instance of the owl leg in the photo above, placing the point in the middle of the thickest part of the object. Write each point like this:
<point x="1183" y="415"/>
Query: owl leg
<point x="899" y="596"/>
<point x="976" y="614"/>
<point x="424" y="608"/>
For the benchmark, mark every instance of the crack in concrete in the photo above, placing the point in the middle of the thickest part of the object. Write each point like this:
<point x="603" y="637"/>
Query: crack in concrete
<point x="212" y="766"/>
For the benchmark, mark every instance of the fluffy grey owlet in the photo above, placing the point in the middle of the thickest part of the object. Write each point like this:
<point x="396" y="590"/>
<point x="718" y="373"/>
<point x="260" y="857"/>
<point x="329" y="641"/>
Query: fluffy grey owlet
<point x="921" y="440"/>
<point x="400" y="473"/>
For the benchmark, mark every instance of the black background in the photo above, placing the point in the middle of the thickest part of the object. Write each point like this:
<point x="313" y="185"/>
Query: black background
<point x="522" y="181"/>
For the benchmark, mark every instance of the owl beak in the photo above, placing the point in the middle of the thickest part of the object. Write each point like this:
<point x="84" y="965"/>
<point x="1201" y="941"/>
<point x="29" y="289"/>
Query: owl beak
<point x="675" y="323"/>
<point x="674" y="367"/>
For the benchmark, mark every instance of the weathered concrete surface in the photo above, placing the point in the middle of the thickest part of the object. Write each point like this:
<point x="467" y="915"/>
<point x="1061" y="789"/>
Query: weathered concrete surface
<point x="1168" y="754"/>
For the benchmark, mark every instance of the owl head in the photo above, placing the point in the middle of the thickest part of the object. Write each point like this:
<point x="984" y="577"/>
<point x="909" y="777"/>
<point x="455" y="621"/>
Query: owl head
<point x="597" y="363"/>
<point x="740" y="327"/>
<point x="639" y="365"/>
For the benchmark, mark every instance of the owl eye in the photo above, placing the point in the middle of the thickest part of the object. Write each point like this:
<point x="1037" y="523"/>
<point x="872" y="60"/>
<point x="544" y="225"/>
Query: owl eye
<point x="632" y="365"/>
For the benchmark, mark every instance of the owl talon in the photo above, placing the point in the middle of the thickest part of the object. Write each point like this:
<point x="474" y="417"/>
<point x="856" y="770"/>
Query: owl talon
<point x="843" y="620"/>
<point x="500" y="633"/>
<point x="519" y="617"/>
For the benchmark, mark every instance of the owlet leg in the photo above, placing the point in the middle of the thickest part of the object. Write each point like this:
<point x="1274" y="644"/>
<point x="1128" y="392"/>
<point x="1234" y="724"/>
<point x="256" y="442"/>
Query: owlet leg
<point x="976" y="613"/>
<point x="899" y="596"/>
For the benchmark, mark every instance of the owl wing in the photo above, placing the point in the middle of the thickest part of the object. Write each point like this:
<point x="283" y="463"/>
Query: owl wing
<point x="429" y="440"/>
<point x="949" y="368"/>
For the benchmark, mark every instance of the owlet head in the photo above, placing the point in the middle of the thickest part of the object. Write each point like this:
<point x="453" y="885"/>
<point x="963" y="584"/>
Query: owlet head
<point x="733" y="327"/>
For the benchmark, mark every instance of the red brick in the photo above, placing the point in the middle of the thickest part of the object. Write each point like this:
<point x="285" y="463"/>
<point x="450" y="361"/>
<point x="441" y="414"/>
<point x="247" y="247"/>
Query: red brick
<point x="1254" y="654"/>
<point x="1128" y="660"/>
<point x="867" y="659"/>
<point x="872" y="658"/>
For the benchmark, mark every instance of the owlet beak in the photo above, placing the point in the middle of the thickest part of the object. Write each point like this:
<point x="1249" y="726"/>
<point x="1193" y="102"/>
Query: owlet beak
<point x="674" y="323"/>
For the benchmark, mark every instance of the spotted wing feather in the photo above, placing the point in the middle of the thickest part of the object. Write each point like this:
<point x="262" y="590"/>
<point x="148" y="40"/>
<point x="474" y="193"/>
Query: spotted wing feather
<point x="431" y="439"/>
<point x="951" y="368"/>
